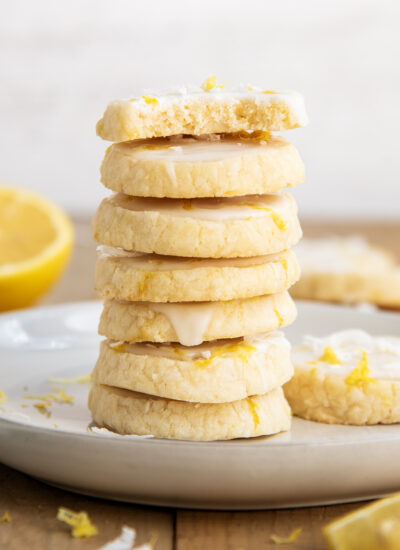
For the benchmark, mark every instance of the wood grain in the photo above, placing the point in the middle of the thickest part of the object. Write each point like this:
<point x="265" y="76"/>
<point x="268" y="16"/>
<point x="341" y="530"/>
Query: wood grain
<point x="252" y="530"/>
<point x="33" y="505"/>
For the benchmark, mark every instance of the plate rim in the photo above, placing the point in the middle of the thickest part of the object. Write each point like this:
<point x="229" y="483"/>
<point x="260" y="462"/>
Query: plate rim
<point x="243" y="442"/>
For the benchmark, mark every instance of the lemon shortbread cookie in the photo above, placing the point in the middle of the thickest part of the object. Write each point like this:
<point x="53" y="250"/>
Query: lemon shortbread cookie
<point x="201" y="111"/>
<point x="200" y="228"/>
<point x="216" y="166"/>
<point x="129" y="412"/>
<point x="347" y="378"/>
<point x="149" y="277"/>
<point x="213" y="372"/>
<point x="192" y="323"/>
<point x="347" y="269"/>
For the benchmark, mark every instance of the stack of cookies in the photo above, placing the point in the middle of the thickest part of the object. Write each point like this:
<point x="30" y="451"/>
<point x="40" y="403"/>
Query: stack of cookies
<point x="195" y="263"/>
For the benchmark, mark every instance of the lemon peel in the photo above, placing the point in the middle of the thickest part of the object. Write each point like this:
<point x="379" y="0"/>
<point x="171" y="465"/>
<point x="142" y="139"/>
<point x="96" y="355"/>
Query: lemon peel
<point x="5" y="518"/>
<point x="42" y="408"/>
<point x="242" y="351"/>
<point x="360" y="375"/>
<point x="42" y="404"/>
<point x="210" y="83"/>
<point x="276" y="218"/>
<point x="62" y="397"/>
<point x="3" y="397"/>
<point x="278" y="221"/>
<point x="376" y="525"/>
<point x="150" y="100"/>
<point x="294" y="535"/>
<point x="36" y="239"/>
<point x="269" y="92"/>
<point x="46" y="397"/>
<point x="254" y="407"/>
<point x="79" y="521"/>
<point x="117" y="346"/>
<point x="58" y="396"/>
<point x="279" y="316"/>
<point x="329" y="356"/>
<point x="147" y="276"/>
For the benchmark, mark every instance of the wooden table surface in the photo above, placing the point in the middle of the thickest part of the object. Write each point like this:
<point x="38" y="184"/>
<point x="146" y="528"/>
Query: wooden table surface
<point x="33" y="505"/>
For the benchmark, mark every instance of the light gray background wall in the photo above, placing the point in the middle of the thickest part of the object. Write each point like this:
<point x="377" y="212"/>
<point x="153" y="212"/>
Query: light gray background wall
<point x="60" y="63"/>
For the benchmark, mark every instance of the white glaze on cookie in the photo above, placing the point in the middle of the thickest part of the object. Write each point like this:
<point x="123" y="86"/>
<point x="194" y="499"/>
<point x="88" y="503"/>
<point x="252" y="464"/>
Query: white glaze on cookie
<point x="156" y="262"/>
<point x="206" y="350"/>
<point x="215" y="209"/>
<point x="382" y="353"/>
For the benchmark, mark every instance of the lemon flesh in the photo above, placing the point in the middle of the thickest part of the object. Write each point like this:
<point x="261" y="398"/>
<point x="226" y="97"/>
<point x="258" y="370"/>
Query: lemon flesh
<point x="36" y="240"/>
<point x="373" y="527"/>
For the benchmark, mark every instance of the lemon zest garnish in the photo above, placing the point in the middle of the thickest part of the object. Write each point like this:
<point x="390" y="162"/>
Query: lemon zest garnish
<point x="133" y="99"/>
<point x="278" y="221"/>
<point x="118" y="346"/>
<point x="360" y="375"/>
<point x="179" y="352"/>
<point x="313" y="370"/>
<point x="329" y="356"/>
<point x="5" y="518"/>
<point x="146" y="277"/>
<point x="254" y="407"/>
<point x="3" y="397"/>
<point x="279" y="316"/>
<point x="250" y="88"/>
<point x="47" y="397"/>
<point x="269" y="92"/>
<point x="150" y="100"/>
<point x="287" y="540"/>
<point x="42" y="408"/>
<point x="284" y="263"/>
<point x="58" y="396"/>
<point x="210" y="83"/>
<point x="77" y="380"/>
<point x="79" y="521"/>
<point x="42" y="405"/>
<point x="62" y="397"/>
<point x="242" y="351"/>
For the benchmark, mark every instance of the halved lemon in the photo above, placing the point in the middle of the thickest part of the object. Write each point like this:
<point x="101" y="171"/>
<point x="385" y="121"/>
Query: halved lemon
<point x="373" y="527"/>
<point x="36" y="239"/>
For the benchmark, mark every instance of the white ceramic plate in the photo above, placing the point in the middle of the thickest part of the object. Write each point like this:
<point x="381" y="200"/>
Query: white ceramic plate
<point x="313" y="464"/>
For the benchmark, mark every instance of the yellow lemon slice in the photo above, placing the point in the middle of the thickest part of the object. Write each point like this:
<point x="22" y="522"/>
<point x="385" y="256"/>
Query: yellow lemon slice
<point x="373" y="527"/>
<point x="36" y="239"/>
